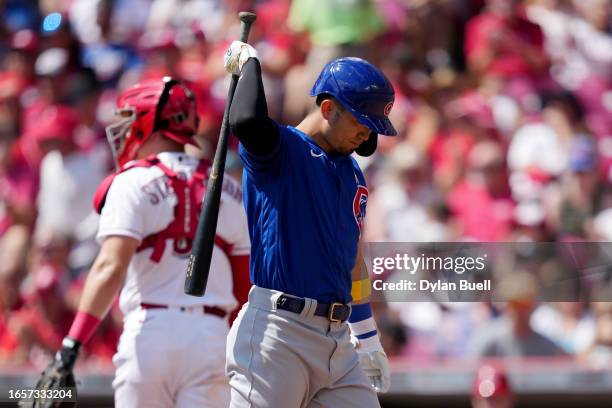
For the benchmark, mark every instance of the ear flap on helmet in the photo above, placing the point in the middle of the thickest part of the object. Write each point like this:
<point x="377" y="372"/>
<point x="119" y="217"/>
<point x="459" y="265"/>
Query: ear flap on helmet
<point x="368" y="147"/>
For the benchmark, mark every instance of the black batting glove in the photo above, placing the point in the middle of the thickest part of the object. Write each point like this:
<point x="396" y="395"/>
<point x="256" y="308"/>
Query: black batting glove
<point x="66" y="357"/>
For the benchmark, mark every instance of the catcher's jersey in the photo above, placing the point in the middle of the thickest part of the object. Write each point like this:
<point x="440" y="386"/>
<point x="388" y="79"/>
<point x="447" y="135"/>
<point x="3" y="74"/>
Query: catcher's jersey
<point x="305" y="210"/>
<point x="140" y="203"/>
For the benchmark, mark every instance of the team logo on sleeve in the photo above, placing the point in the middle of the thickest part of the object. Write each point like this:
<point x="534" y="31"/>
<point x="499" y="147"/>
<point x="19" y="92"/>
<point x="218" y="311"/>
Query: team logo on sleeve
<point x="359" y="205"/>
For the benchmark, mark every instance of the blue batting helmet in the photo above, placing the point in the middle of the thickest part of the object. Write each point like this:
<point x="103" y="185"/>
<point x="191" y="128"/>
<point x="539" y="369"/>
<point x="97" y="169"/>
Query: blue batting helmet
<point x="362" y="89"/>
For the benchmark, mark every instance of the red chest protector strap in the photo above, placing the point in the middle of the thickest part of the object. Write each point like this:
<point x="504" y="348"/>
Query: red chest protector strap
<point x="189" y="192"/>
<point x="102" y="190"/>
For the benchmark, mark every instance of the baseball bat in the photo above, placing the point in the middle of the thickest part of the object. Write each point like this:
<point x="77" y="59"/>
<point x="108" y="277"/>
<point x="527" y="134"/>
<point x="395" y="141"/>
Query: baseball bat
<point x="198" y="264"/>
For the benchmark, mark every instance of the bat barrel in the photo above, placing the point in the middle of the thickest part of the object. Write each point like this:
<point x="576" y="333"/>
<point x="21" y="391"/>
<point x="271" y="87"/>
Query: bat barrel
<point x="198" y="265"/>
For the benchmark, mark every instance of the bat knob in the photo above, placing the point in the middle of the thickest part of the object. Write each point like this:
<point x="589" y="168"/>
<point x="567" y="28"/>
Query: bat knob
<point x="247" y="17"/>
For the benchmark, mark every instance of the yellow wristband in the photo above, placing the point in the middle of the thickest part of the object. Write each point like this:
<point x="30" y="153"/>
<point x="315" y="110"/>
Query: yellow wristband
<point x="361" y="289"/>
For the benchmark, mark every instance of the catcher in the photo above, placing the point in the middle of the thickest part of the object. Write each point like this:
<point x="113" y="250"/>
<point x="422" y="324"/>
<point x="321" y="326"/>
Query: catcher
<point x="149" y="211"/>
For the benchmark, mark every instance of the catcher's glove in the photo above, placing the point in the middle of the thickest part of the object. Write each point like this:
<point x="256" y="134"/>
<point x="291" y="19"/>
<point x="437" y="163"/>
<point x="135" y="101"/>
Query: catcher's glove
<point x="58" y="374"/>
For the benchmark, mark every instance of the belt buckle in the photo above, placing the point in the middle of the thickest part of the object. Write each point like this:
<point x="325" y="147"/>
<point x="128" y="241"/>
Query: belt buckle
<point x="330" y="315"/>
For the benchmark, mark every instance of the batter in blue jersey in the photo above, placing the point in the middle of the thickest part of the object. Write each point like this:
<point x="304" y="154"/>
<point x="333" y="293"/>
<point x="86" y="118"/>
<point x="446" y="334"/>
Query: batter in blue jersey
<point x="305" y="208"/>
<point x="305" y="198"/>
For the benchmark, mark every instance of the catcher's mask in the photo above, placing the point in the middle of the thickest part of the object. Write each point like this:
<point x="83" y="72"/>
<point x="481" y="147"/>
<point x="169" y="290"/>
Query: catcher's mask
<point x="165" y="105"/>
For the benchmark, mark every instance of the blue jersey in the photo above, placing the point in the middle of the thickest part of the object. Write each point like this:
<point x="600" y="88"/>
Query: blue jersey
<point x="305" y="209"/>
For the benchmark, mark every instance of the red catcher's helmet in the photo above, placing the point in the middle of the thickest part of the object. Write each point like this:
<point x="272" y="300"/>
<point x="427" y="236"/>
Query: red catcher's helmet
<point x="163" y="104"/>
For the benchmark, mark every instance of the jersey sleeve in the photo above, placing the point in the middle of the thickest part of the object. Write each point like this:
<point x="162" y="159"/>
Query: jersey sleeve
<point x="269" y="164"/>
<point x="133" y="206"/>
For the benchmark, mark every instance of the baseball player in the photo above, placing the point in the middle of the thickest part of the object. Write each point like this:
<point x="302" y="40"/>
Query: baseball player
<point x="305" y="198"/>
<point x="149" y="210"/>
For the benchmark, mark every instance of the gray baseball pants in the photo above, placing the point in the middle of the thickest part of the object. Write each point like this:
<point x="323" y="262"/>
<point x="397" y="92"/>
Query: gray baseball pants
<point x="276" y="358"/>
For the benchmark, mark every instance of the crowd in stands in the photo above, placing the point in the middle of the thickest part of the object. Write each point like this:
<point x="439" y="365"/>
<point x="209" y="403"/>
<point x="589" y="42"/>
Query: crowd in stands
<point x="504" y="115"/>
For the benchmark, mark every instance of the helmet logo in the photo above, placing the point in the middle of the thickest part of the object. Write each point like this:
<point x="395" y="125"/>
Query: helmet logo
<point x="387" y="109"/>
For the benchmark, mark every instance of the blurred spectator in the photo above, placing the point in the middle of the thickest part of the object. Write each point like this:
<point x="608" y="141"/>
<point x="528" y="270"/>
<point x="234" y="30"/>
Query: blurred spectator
<point x="11" y="88"/>
<point x="481" y="203"/>
<point x="104" y="48"/>
<point x="69" y="178"/>
<point x="119" y="21"/>
<point x="18" y="184"/>
<point x="404" y="205"/>
<point x="579" y="40"/>
<point x="469" y="121"/>
<point x="502" y="42"/>
<point x="58" y="33"/>
<point x="281" y="51"/>
<point x="599" y="353"/>
<point x="19" y="14"/>
<point x="335" y="28"/>
<point x="580" y="193"/>
<point x="220" y="16"/>
<point x="23" y="50"/>
<point x="511" y="335"/>
<point x="10" y="297"/>
<point x="160" y="52"/>
<point x="602" y="222"/>
<point x="536" y="155"/>
<point x="40" y="324"/>
<point x="577" y="36"/>
<point x="491" y="388"/>
<point x="393" y="334"/>
<point x="569" y="324"/>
